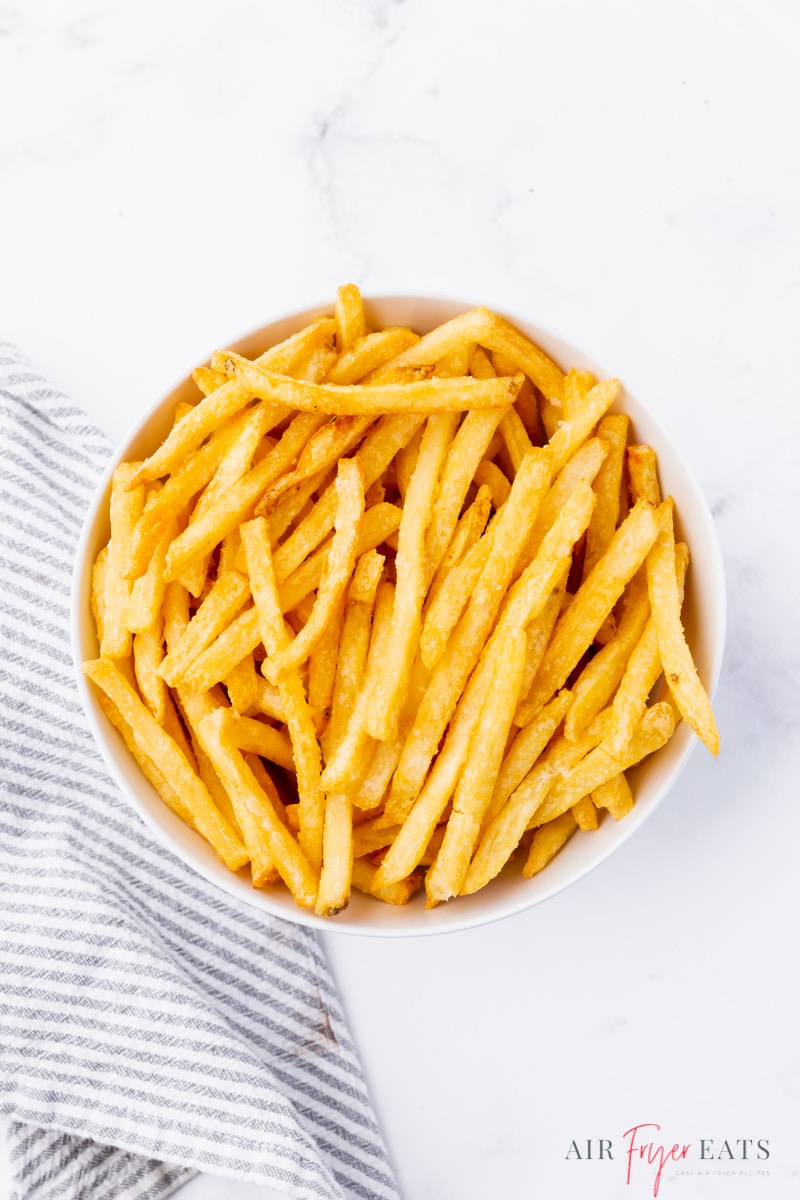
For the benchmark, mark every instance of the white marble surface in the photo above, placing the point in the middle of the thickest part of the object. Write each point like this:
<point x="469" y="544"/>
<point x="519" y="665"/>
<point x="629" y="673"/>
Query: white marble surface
<point x="624" y="172"/>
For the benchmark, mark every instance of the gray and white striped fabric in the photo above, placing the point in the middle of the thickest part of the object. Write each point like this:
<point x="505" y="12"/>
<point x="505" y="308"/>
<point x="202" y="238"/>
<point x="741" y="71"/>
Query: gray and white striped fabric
<point x="150" y="1026"/>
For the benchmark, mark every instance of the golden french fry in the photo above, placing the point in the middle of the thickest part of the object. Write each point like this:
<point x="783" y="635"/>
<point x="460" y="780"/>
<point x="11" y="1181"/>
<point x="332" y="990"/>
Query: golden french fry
<point x="615" y="795"/>
<point x="421" y="396"/>
<point x="523" y="753"/>
<point x="368" y="353"/>
<point x="394" y="893"/>
<point x="147" y="592"/>
<point x="595" y="685"/>
<point x="338" y="570"/>
<point x="594" y="601"/>
<point x="148" y="652"/>
<point x="324" y="449"/>
<point x="643" y="474"/>
<point x="126" y="507"/>
<point x="241" y="684"/>
<point x="389" y="687"/>
<point x="229" y="399"/>
<point x="598" y="767"/>
<point x="256" y="737"/>
<point x="350" y="321"/>
<point x="470" y="635"/>
<point x="468" y="531"/>
<point x="503" y="835"/>
<point x="207" y="381"/>
<point x="464" y="456"/>
<point x="445" y="611"/>
<point x="547" y="841"/>
<point x="216" y="662"/>
<point x="337" y="856"/>
<point x="156" y="744"/>
<point x="225" y="600"/>
<point x="585" y="814"/>
<point x="269" y="841"/>
<point x="613" y="430"/>
<point x="343" y="769"/>
<point x="98" y="596"/>
<point x="515" y="437"/>
<point x="642" y="669"/>
<point x="680" y="671"/>
<point x="575" y="429"/>
<point x="305" y="747"/>
<point x="488" y="474"/>
<point x="237" y="503"/>
<point x="446" y="877"/>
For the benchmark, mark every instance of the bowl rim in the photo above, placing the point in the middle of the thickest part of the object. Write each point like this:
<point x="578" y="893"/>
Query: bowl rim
<point x="466" y="914"/>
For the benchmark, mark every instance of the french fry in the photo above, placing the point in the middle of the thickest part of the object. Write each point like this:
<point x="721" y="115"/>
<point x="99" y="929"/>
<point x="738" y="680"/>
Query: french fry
<point x="615" y="795"/>
<point x="256" y="737"/>
<point x="420" y="396"/>
<point x="613" y="430"/>
<point x="157" y="745"/>
<point x="225" y="600"/>
<point x="463" y="459"/>
<point x="225" y="401"/>
<point x="488" y="474"/>
<point x="598" y="767"/>
<point x="349" y="316"/>
<point x="269" y="842"/>
<point x="468" y="639"/>
<point x="443" y="614"/>
<point x="390" y="686"/>
<point x="596" y="683"/>
<point x="98" y="595"/>
<point x="547" y="841"/>
<point x="338" y="569"/>
<point x="503" y="835"/>
<point x="523" y="753"/>
<point x="576" y="428"/>
<point x="585" y="814"/>
<point x="126" y="506"/>
<point x="235" y="506"/>
<point x="394" y="893"/>
<point x="594" y="601"/>
<point x="368" y="353"/>
<point x="148" y="652"/>
<point x="642" y="669"/>
<point x="474" y="791"/>
<point x="305" y="747"/>
<point x="468" y="531"/>
<point x="643" y="474"/>
<point x="680" y="671"/>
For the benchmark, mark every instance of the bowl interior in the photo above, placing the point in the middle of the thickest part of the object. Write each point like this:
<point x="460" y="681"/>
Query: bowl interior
<point x="704" y="616"/>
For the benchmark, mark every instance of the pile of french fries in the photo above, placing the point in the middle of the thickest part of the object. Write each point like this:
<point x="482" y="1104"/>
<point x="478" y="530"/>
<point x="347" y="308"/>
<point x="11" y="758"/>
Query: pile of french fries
<point x="385" y="608"/>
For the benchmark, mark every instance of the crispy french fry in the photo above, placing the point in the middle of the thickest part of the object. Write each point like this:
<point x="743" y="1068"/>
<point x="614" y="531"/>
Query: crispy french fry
<point x="338" y="570"/>
<point x="474" y="791"/>
<point x="643" y="474"/>
<point x="225" y="401"/>
<point x="585" y="814"/>
<point x="390" y="686"/>
<point x="225" y="600"/>
<point x="269" y="842"/>
<point x="595" y="685"/>
<point x="368" y="353"/>
<point x="598" y="767"/>
<point x="523" y="753"/>
<point x="126" y="507"/>
<point x="613" y="430"/>
<point x="463" y="459"/>
<point x="156" y="744"/>
<point x="615" y="795"/>
<point x="305" y="748"/>
<point x="350" y="321"/>
<point x="421" y="396"/>
<point x="148" y="652"/>
<point x="547" y="841"/>
<point x="98" y="596"/>
<point x="394" y="893"/>
<point x="594" y="601"/>
<point x="469" y="637"/>
<point x="488" y="474"/>
<point x="642" y="669"/>
<point x="680" y="671"/>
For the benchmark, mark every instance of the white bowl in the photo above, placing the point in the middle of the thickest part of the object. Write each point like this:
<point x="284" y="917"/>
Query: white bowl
<point x="704" y="616"/>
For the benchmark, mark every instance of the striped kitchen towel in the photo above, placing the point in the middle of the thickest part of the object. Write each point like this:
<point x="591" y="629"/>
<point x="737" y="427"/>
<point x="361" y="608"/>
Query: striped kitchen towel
<point x="150" y="1026"/>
